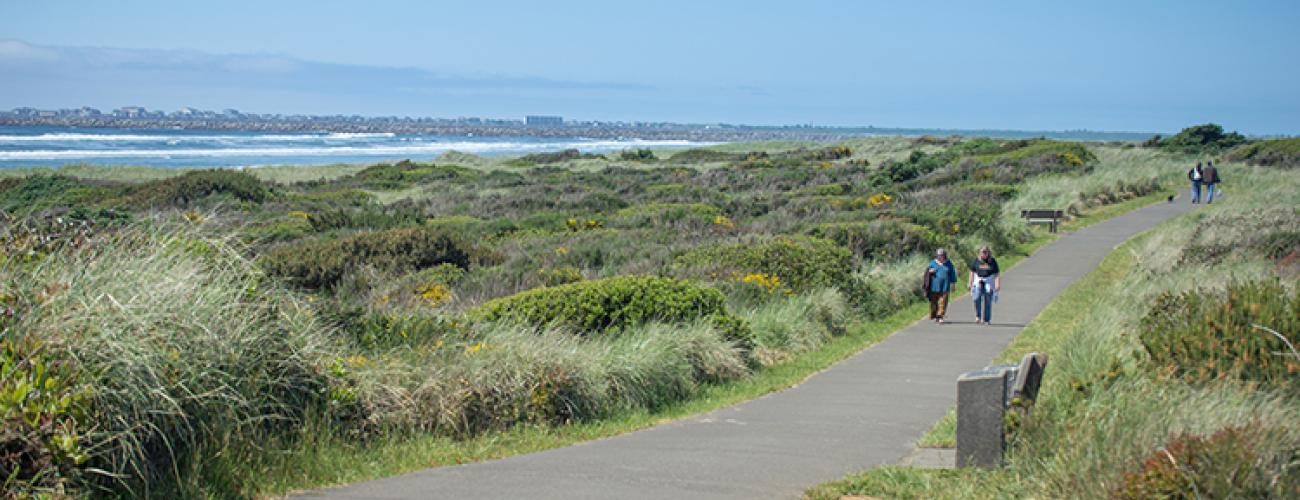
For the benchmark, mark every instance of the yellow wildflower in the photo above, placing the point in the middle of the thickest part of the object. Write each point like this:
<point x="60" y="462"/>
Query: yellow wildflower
<point x="434" y="294"/>
<point x="300" y="214"/>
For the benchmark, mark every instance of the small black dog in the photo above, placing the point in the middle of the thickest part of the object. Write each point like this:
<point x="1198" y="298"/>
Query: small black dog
<point x="1171" y="198"/>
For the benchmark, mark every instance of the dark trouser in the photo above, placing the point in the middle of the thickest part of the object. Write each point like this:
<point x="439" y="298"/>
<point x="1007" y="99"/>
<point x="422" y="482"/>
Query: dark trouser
<point x="938" y="304"/>
<point x="1196" y="191"/>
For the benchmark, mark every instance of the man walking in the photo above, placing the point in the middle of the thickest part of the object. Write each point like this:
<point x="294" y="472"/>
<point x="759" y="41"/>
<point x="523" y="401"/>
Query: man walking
<point x="1211" y="176"/>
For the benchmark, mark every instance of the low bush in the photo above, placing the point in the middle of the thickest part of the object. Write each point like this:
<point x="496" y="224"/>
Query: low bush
<point x="1284" y="153"/>
<point x="1202" y="337"/>
<point x="35" y="193"/>
<point x="801" y="263"/>
<point x="322" y="263"/>
<point x="666" y="215"/>
<point x="639" y="154"/>
<point x="403" y="174"/>
<point x="190" y="187"/>
<point x="1208" y="137"/>
<point x="1226" y="464"/>
<point x="881" y="239"/>
<point x="369" y="217"/>
<point x="529" y="160"/>
<point x="610" y="304"/>
<point x="707" y="156"/>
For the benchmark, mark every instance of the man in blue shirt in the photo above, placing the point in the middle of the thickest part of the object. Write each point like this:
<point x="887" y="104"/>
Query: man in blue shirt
<point x="940" y="277"/>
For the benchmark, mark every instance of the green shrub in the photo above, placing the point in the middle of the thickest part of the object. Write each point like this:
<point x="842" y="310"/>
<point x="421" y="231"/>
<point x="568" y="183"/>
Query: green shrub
<point x="35" y="193"/>
<point x="190" y="187"/>
<point x="801" y="263"/>
<point x="322" y="263"/>
<point x="370" y="217"/>
<point x="666" y="215"/>
<point x="1223" y="465"/>
<point x="610" y="304"/>
<point x="1198" y="138"/>
<point x="706" y="156"/>
<point x="43" y="409"/>
<point x="883" y="239"/>
<point x="637" y="154"/>
<point x="1202" y="337"/>
<point x="405" y="173"/>
<point x="1283" y="153"/>
<point x="531" y="159"/>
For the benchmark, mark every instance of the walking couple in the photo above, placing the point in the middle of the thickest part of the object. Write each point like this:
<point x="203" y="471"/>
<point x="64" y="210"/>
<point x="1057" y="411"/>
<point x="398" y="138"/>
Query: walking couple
<point x="940" y="276"/>
<point x="1208" y="175"/>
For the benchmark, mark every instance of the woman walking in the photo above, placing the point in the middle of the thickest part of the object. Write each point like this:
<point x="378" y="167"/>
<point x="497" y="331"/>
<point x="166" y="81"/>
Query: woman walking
<point x="984" y="284"/>
<point x="1196" y="175"/>
<point x="939" y="277"/>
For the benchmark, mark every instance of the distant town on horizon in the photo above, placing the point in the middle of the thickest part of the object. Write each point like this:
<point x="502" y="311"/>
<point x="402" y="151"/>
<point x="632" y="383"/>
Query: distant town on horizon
<point x="529" y="125"/>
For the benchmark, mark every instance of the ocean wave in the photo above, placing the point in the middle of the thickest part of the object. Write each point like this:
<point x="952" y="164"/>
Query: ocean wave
<point x="66" y="137"/>
<point x="378" y="150"/>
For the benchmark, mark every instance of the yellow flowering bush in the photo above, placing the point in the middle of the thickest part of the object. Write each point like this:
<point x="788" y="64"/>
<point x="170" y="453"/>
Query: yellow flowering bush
<point x="879" y="199"/>
<point x="434" y="294"/>
<point x="299" y="214"/>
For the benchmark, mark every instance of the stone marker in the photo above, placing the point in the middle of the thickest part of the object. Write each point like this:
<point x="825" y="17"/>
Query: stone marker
<point x="981" y="403"/>
<point x="983" y="398"/>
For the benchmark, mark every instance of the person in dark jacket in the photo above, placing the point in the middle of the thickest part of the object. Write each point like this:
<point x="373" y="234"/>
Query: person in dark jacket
<point x="1196" y="175"/>
<point x="1211" y="176"/>
<point x="941" y="275"/>
<point x="984" y="284"/>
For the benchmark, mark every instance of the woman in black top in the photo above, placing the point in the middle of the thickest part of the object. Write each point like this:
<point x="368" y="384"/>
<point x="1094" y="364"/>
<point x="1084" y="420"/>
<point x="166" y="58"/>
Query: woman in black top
<point x="984" y="284"/>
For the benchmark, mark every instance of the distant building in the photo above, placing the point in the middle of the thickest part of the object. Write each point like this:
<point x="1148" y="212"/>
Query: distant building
<point x="543" y="121"/>
<point x="129" y="112"/>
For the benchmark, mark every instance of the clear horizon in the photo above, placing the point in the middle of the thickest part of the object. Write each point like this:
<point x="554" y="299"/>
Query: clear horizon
<point x="1109" y="66"/>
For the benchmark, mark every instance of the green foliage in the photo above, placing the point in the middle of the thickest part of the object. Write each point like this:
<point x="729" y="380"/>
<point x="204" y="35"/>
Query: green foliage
<point x="610" y="304"/>
<point x="369" y="217"/>
<point x="191" y="187"/>
<point x="529" y="160"/>
<point x="35" y="193"/>
<point x="1223" y="465"/>
<point x="42" y="407"/>
<point x="881" y="239"/>
<point x="1284" y="153"/>
<point x="917" y="164"/>
<point x="1202" y="337"/>
<point x="666" y="215"/>
<point x="405" y="173"/>
<point x="1202" y="138"/>
<point x="707" y="156"/>
<point x="639" y="154"/>
<point x="323" y="263"/>
<point x="801" y="263"/>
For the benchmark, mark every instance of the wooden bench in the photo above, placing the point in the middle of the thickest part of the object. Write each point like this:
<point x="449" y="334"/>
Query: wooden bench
<point x="1052" y="217"/>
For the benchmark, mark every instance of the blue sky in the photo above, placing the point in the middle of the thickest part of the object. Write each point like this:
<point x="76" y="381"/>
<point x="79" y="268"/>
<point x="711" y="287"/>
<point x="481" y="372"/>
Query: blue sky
<point x="1139" y="66"/>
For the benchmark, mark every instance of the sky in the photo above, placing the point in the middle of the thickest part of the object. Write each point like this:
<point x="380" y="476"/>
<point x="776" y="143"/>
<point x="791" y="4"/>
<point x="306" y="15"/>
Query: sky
<point x="1104" y="65"/>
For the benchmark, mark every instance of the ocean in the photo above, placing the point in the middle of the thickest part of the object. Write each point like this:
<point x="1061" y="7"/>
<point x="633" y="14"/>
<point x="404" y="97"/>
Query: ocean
<point x="54" y="146"/>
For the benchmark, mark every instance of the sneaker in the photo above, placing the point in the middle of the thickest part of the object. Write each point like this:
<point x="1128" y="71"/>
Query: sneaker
<point x="939" y="321"/>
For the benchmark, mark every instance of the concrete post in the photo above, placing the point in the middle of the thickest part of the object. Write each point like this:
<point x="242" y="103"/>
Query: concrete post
<point x="981" y="404"/>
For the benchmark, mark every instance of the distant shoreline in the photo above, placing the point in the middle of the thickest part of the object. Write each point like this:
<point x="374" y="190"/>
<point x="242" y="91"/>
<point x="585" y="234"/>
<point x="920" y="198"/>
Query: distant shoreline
<point x="649" y="131"/>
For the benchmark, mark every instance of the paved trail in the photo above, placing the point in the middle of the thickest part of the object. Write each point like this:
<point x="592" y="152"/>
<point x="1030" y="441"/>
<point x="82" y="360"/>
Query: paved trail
<point x="865" y="411"/>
